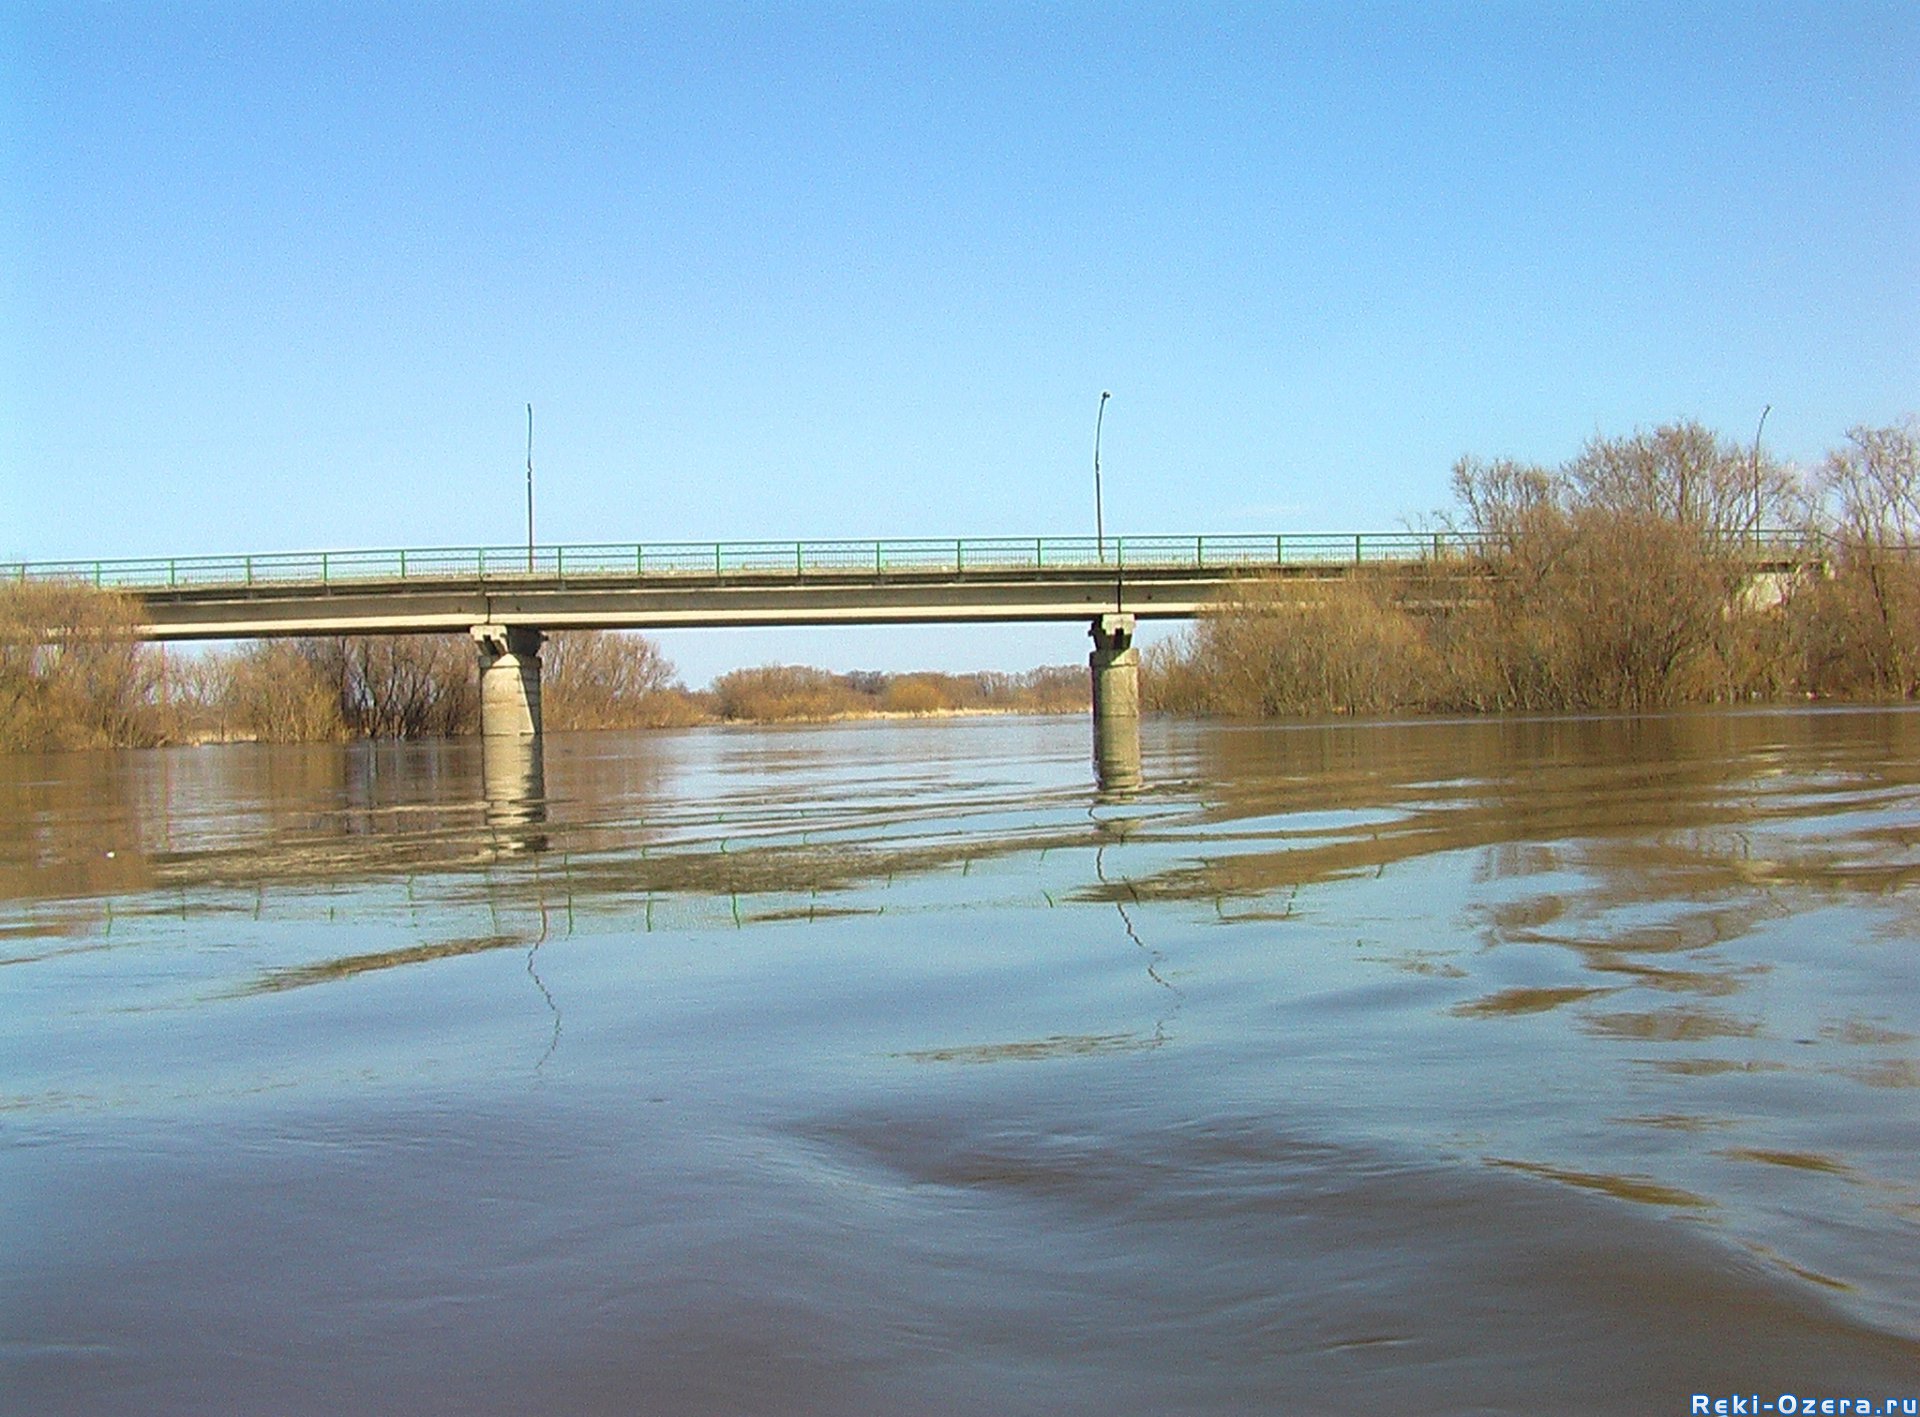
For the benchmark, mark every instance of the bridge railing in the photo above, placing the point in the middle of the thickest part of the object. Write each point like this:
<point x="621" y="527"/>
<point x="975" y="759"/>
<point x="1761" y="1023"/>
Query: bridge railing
<point x="917" y="556"/>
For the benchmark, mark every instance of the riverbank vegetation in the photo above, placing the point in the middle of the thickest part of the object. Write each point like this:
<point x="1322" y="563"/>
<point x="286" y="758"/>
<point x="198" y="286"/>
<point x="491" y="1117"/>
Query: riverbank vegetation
<point x="1622" y="579"/>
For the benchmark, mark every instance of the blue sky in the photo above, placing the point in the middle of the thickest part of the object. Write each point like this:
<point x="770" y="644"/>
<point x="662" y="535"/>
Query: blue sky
<point x="284" y="276"/>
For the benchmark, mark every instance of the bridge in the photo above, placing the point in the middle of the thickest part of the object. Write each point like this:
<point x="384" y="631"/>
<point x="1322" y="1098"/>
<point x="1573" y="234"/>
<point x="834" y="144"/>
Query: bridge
<point x="510" y="598"/>
<point x="710" y="584"/>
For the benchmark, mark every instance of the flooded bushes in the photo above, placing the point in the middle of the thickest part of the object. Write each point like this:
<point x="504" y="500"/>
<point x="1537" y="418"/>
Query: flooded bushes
<point x="776" y="692"/>
<point x="372" y="686"/>
<point x="786" y="692"/>
<point x="600" y="679"/>
<point x="427" y="686"/>
<point x="1344" y="647"/>
<point x="1613" y="581"/>
<point x="278" y="691"/>
<point x="404" y="686"/>
<point x="1864" y="632"/>
<point x="72" y="672"/>
<point x="1622" y="579"/>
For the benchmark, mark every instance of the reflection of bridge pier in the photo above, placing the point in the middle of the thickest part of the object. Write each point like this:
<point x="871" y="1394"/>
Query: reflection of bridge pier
<point x="1115" y="667"/>
<point x="512" y="765"/>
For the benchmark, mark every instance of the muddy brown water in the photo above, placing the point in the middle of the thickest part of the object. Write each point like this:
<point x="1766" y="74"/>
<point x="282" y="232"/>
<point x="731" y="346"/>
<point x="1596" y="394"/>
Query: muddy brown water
<point x="1550" y="1065"/>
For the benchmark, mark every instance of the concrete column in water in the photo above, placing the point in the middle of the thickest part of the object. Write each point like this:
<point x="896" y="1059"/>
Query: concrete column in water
<point x="1115" y="664"/>
<point x="509" y="680"/>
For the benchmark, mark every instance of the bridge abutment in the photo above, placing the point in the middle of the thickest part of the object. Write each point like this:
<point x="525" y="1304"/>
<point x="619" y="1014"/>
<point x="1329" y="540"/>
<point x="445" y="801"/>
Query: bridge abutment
<point x="509" y="680"/>
<point x="1115" y="666"/>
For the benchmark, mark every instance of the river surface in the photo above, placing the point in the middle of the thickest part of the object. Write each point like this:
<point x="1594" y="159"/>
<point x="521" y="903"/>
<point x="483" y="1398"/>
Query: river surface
<point x="1554" y="1065"/>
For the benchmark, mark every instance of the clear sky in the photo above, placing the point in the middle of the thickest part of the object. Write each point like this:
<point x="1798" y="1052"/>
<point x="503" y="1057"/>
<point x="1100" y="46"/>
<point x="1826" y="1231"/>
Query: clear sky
<point x="279" y="276"/>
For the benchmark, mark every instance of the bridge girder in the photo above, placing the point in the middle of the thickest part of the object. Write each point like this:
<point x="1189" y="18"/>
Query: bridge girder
<point x="415" y="607"/>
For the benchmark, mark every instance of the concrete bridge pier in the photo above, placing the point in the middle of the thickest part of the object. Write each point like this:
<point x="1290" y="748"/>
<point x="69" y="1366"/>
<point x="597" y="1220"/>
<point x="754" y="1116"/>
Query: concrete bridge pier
<point x="1115" y="665"/>
<point x="509" y="680"/>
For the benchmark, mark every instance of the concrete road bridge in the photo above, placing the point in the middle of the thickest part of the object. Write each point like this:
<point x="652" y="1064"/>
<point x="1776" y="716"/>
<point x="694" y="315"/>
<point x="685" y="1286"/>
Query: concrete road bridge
<point x="710" y="584"/>
<point x="510" y="598"/>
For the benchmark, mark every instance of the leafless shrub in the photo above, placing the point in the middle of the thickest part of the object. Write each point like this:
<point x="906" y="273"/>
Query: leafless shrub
<point x="1621" y="579"/>
<point x="1060" y="688"/>
<point x="915" y="693"/>
<point x="1612" y="580"/>
<point x="1345" y="647"/>
<point x="1607" y="609"/>
<point x="284" y="691"/>
<point x="1051" y="688"/>
<point x="402" y="686"/>
<point x="601" y="679"/>
<point x="1684" y="474"/>
<point x="779" y="692"/>
<point x="72" y="672"/>
<point x="1862" y="626"/>
<point x="194" y="686"/>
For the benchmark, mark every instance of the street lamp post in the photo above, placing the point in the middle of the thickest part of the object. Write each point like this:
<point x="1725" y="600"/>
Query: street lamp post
<point x="1756" y="471"/>
<point x="1099" y="520"/>
<point x="529" y="489"/>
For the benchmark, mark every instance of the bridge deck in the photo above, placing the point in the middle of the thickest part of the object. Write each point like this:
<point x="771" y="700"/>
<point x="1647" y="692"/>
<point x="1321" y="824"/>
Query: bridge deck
<point x="742" y="583"/>
<point x="656" y="602"/>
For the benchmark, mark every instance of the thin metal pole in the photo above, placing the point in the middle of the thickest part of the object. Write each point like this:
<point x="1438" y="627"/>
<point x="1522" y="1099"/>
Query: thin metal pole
<point x="529" y="489"/>
<point x="1756" y="472"/>
<point x="1099" y="519"/>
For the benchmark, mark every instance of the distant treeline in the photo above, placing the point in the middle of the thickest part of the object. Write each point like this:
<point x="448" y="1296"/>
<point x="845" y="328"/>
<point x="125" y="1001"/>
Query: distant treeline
<point x="780" y="692"/>
<point x="1622" y="579"/>
<point x="73" y="676"/>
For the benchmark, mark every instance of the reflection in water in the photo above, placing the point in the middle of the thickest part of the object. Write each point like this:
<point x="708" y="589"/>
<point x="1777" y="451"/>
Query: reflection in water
<point x="1520" y="1065"/>
<point x="513" y="775"/>
<point x="346" y="966"/>
<point x="1627" y="1188"/>
<point x="1116" y="758"/>
<point x="1509" y="1002"/>
<point x="1029" y="1050"/>
<point x="1114" y="830"/>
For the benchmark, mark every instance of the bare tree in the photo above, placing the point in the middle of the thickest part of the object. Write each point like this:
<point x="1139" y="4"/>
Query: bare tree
<point x="402" y="686"/>
<point x="1875" y="486"/>
<point x="1866" y="629"/>
<point x="72" y="672"/>
<point x="606" y="679"/>
<point x="1684" y="473"/>
<point x="284" y="691"/>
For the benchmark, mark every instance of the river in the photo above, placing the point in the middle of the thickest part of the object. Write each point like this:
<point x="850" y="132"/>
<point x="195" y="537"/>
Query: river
<point x="1538" y="1065"/>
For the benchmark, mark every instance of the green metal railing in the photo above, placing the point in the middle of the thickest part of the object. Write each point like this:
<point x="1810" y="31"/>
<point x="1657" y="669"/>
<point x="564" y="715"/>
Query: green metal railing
<point x="507" y="565"/>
